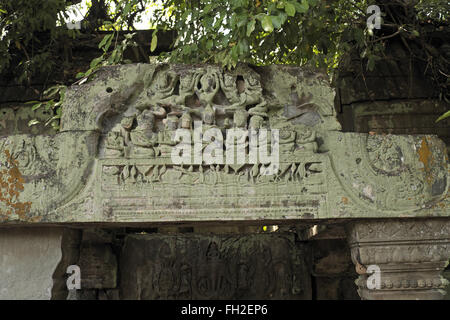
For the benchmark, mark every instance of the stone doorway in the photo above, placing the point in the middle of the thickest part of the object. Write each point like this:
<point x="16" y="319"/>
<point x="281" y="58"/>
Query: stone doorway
<point x="180" y="263"/>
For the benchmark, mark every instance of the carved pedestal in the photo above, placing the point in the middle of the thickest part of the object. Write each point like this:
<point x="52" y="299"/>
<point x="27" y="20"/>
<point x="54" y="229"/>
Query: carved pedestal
<point x="400" y="259"/>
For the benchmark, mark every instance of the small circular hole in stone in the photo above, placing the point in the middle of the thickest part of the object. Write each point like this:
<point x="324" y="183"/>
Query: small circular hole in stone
<point x="109" y="89"/>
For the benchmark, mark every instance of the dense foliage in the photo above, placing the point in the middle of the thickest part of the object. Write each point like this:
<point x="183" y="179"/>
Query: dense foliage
<point x="318" y="32"/>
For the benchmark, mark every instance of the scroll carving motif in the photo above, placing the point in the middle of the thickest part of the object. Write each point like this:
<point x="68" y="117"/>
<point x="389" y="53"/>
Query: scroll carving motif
<point x="389" y="174"/>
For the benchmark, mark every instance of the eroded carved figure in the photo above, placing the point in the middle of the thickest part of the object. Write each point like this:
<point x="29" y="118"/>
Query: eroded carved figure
<point x="218" y="267"/>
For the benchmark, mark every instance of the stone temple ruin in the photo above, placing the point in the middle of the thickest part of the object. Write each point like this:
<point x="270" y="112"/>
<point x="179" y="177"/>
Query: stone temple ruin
<point x="104" y="194"/>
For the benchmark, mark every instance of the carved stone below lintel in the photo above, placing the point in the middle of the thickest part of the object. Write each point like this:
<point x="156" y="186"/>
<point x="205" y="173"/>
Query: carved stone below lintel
<point x="410" y="254"/>
<point x="220" y="266"/>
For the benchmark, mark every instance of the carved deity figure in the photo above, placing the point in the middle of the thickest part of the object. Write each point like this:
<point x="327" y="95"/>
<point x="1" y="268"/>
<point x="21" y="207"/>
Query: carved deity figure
<point x="306" y="140"/>
<point x="114" y="145"/>
<point x="240" y="118"/>
<point x="165" y="142"/>
<point x="207" y="87"/>
<point x="186" y="121"/>
<point x="142" y="137"/>
<point x="229" y="88"/>
<point x="126" y="123"/>
<point x="160" y="92"/>
<point x="187" y="82"/>
<point x="209" y="118"/>
<point x="249" y="93"/>
<point x="213" y="280"/>
<point x="165" y="84"/>
<point x="287" y="141"/>
<point x="256" y="122"/>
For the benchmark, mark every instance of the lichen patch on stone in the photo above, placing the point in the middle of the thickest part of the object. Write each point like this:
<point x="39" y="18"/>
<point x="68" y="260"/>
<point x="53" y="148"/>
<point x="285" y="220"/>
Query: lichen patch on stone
<point x="426" y="157"/>
<point x="11" y="185"/>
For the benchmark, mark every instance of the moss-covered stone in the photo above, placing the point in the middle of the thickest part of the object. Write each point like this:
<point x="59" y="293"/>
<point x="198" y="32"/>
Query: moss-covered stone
<point x="109" y="164"/>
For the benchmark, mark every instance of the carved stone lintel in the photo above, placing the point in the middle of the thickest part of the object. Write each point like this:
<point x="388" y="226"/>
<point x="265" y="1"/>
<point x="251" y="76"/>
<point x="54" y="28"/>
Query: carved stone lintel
<point x="410" y="255"/>
<point x="112" y="159"/>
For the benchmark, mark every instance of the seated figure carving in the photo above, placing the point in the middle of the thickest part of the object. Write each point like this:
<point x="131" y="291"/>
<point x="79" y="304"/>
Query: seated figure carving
<point x="114" y="145"/>
<point x="142" y="137"/>
<point x="287" y="141"/>
<point x="306" y="140"/>
<point x="165" y="142"/>
<point x="209" y="118"/>
<point x="240" y="118"/>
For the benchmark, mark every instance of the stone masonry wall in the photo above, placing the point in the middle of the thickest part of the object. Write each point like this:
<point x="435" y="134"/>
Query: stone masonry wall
<point x="33" y="262"/>
<point x="395" y="98"/>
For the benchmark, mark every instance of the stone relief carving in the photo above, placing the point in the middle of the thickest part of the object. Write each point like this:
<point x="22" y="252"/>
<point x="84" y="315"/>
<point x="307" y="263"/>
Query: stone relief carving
<point x="136" y="152"/>
<point x="214" y="267"/>
<point x="411" y="255"/>
<point x="112" y="159"/>
<point x="391" y="173"/>
<point x="217" y="99"/>
<point x="48" y="171"/>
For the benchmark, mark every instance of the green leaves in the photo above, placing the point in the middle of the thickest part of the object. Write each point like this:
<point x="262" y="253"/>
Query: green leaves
<point x="106" y="42"/>
<point x="57" y="92"/>
<point x="444" y="116"/>
<point x="279" y="20"/>
<point x="33" y="122"/>
<point x="299" y="32"/>
<point x="95" y="62"/>
<point x="302" y="7"/>
<point x="290" y="9"/>
<point x="209" y="44"/>
<point x="110" y="57"/>
<point x="36" y="106"/>
<point x="266" y="24"/>
<point x="251" y="27"/>
<point x="154" y="42"/>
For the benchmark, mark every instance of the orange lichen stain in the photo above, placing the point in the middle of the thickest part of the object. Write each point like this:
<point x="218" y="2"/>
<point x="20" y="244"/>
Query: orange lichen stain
<point x="11" y="185"/>
<point x="426" y="157"/>
<point x="344" y="200"/>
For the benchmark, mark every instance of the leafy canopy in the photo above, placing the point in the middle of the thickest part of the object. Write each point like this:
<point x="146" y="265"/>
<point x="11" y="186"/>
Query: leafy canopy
<point x="226" y="31"/>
